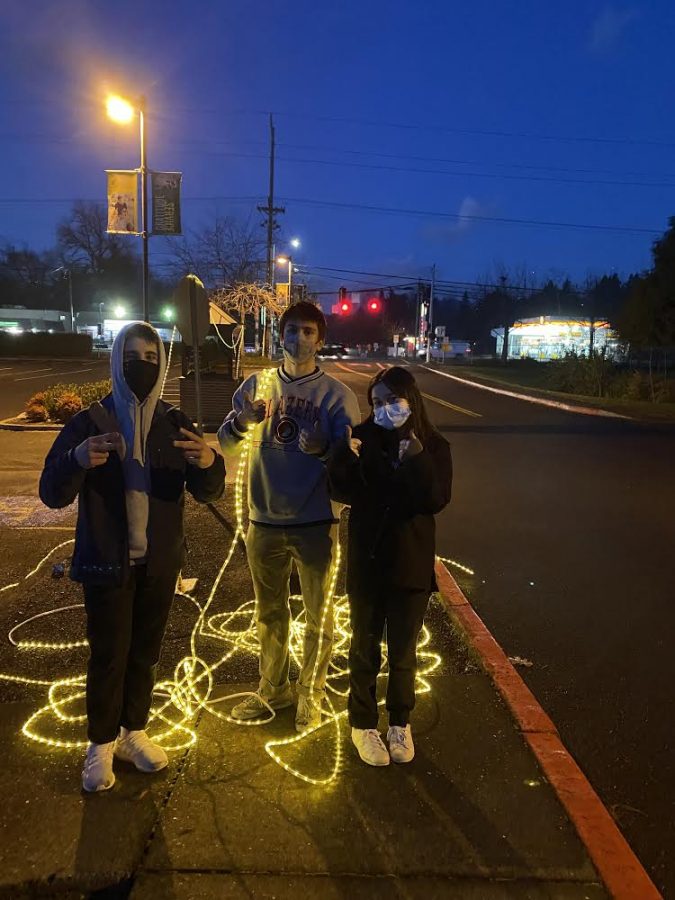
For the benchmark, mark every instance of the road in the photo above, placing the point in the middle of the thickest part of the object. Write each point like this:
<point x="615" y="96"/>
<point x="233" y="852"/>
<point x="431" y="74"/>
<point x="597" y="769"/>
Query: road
<point x="20" y="379"/>
<point x="567" y="521"/>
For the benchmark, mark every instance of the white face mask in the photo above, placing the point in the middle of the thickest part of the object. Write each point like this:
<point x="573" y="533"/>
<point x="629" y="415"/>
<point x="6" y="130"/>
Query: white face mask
<point x="392" y="415"/>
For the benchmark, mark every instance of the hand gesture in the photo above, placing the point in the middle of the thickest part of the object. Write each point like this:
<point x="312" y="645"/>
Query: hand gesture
<point x="94" y="451"/>
<point x="252" y="412"/>
<point x="353" y="443"/>
<point x="414" y="447"/>
<point x="195" y="450"/>
<point x="313" y="442"/>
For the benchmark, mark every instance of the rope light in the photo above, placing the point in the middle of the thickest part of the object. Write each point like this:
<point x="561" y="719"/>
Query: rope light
<point x="178" y="700"/>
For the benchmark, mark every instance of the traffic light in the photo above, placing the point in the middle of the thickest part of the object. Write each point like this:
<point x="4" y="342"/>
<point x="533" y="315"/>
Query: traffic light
<point x="374" y="306"/>
<point x="344" y="306"/>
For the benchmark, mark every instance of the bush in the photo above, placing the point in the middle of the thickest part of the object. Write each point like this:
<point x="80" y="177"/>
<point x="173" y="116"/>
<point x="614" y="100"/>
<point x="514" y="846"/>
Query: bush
<point x="67" y="405"/>
<point x="61" y="401"/>
<point x="36" y="412"/>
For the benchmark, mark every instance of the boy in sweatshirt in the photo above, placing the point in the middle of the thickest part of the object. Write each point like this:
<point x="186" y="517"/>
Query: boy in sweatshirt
<point x="128" y="461"/>
<point x="294" y="422"/>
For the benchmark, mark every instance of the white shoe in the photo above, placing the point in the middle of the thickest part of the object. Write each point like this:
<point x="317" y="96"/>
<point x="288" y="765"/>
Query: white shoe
<point x="308" y="714"/>
<point x="401" y="747"/>
<point x="369" y="744"/>
<point x="97" y="772"/>
<point x="137" y="748"/>
<point x="253" y="706"/>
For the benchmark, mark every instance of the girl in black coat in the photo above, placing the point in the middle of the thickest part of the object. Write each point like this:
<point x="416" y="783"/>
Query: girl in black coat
<point x="395" y="471"/>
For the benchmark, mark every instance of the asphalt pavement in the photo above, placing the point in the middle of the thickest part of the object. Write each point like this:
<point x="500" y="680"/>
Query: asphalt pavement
<point x="564" y="520"/>
<point x="567" y="521"/>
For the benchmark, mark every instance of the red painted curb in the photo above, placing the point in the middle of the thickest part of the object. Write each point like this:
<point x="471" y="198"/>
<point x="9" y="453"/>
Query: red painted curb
<point x="617" y="865"/>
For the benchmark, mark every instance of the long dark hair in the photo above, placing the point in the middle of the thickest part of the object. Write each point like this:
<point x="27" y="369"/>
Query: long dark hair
<point x="401" y="382"/>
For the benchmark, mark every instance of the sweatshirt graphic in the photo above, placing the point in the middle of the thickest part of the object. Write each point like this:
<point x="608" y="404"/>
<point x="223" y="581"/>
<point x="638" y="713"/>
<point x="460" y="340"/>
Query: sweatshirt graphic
<point x="286" y="486"/>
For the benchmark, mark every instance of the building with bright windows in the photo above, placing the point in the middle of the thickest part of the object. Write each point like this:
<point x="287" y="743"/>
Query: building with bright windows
<point x="551" y="337"/>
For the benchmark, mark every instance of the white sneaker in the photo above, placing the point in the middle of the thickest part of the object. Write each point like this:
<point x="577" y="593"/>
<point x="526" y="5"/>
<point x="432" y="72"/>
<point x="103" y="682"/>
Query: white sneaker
<point x="97" y="772"/>
<point x="253" y="707"/>
<point x="401" y="747"/>
<point x="369" y="744"/>
<point x="137" y="748"/>
<point x="308" y="714"/>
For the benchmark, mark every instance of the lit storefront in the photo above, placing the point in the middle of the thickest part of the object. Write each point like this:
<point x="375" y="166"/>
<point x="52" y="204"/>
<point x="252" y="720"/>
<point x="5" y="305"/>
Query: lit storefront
<point x="551" y="337"/>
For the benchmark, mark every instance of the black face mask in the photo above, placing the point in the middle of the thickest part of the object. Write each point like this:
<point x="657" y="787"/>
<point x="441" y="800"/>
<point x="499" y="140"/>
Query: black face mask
<point x="141" y="376"/>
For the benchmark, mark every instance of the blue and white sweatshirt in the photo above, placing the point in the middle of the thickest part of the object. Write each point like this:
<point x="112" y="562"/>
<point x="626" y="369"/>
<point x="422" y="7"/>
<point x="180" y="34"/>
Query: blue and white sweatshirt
<point x="286" y="486"/>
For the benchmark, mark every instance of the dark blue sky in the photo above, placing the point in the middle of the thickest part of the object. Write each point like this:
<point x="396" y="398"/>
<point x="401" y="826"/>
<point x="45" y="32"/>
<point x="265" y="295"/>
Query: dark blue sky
<point x="534" y="111"/>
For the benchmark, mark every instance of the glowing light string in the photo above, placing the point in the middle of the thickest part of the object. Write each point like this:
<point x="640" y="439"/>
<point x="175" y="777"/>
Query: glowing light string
<point x="178" y="700"/>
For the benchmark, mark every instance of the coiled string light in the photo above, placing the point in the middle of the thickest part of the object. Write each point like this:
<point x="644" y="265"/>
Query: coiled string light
<point x="178" y="700"/>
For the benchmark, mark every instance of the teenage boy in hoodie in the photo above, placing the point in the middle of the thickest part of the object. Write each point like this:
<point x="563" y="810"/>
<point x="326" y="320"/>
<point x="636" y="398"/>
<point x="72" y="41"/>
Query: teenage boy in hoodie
<point x="294" y="422"/>
<point x="128" y="461"/>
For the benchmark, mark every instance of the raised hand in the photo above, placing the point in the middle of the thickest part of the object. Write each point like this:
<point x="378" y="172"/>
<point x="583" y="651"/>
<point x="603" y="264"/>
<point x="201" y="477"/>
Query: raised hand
<point x="414" y="446"/>
<point x="94" y="451"/>
<point x="313" y="442"/>
<point x="195" y="450"/>
<point x="353" y="443"/>
<point x="252" y="412"/>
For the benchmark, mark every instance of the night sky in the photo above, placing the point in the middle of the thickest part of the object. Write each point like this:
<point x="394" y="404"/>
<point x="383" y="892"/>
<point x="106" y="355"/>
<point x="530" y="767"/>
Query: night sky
<point x="533" y="111"/>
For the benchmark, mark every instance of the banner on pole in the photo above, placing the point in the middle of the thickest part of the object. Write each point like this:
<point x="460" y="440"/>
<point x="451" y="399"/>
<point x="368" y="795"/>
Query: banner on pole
<point x="166" y="202"/>
<point x="122" y="202"/>
<point x="282" y="291"/>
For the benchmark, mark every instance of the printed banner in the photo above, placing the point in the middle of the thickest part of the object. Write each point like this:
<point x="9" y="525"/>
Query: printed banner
<point x="122" y="202"/>
<point x="166" y="202"/>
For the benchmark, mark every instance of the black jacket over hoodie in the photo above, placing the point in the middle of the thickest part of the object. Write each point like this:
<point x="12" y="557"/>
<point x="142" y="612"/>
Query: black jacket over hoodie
<point x="391" y="523"/>
<point x="101" y="554"/>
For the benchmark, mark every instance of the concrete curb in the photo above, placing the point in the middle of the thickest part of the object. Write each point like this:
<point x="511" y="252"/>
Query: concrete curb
<point x="617" y="865"/>
<point x="8" y="425"/>
<point x="542" y="401"/>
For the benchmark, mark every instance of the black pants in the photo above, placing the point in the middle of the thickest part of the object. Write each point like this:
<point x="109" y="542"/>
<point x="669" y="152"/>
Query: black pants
<point x="403" y="613"/>
<point x="125" y="627"/>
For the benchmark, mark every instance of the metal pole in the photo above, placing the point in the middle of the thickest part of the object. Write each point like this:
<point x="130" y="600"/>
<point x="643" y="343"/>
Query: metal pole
<point x="290" y="279"/>
<point x="144" y="211"/>
<point x="195" y="352"/>
<point x="70" y="296"/>
<point x="431" y="311"/>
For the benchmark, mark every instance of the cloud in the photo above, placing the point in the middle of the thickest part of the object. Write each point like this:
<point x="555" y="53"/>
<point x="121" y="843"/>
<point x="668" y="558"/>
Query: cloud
<point x="468" y="215"/>
<point x="608" y="26"/>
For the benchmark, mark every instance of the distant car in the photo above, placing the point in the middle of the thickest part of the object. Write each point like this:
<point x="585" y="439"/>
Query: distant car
<point x="333" y="351"/>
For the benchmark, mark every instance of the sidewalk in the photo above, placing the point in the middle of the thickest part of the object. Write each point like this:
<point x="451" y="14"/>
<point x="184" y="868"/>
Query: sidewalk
<point x="473" y="816"/>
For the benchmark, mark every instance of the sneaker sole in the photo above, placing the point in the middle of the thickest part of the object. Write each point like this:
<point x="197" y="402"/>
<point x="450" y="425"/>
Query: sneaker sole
<point x="263" y="712"/>
<point x="144" y="769"/>
<point x="370" y="762"/>
<point x="402" y="762"/>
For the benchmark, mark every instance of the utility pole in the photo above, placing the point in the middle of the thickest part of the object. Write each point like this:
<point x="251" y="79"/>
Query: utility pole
<point x="430" y="329"/>
<point x="270" y="211"/>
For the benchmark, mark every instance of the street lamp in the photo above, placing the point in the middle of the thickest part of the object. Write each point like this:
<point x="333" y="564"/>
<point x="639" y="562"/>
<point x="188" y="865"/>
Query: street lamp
<point x="68" y="273"/>
<point x="168" y="313"/>
<point x="120" y="311"/>
<point x="122" y="112"/>
<point x="287" y="259"/>
<point x="295" y="243"/>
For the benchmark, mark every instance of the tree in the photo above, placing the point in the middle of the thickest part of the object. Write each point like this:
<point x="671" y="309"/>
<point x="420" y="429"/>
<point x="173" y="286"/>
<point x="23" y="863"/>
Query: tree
<point x="248" y="300"/>
<point x="224" y="254"/>
<point x="84" y="241"/>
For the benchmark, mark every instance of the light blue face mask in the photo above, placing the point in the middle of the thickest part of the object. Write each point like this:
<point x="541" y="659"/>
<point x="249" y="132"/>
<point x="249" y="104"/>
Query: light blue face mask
<point x="392" y="415"/>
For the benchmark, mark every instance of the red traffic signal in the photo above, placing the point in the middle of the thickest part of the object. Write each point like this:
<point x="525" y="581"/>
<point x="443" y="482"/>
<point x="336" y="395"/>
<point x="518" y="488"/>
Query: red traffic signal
<point x="374" y="306"/>
<point x="345" y="307"/>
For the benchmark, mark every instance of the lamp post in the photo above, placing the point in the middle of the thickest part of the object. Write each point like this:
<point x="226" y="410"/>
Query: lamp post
<point x="68" y="273"/>
<point x="122" y="112"/>
<point x="288" y="259"/>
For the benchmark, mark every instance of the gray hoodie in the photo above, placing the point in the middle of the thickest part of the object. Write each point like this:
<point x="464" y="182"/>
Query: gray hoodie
<point x="135" y="420"/>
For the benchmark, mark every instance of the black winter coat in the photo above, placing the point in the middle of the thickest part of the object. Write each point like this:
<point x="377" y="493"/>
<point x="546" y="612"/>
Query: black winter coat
<point x="391" y="524"/>
<point x="101" y="554"/>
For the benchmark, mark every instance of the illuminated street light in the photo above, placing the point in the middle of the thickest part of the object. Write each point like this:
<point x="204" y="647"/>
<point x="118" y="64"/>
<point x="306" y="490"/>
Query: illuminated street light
<point x="287" y="259"/>
<point x="168" y="313"/>
<point x="122" y="112"/>
<point x="295" y="243"/>
<point x="119" y="110"/>
<point x="120" y="311"/>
